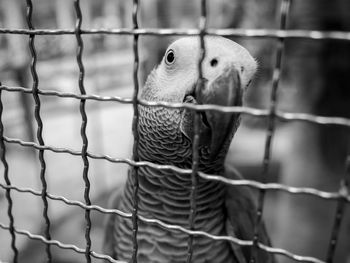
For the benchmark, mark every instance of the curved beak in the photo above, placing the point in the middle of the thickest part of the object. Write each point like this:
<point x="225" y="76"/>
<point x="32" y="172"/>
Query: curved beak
<point x="225" y="90"/>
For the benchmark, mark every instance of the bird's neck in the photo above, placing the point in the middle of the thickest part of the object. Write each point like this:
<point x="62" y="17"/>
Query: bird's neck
<point x="162" y="142"/>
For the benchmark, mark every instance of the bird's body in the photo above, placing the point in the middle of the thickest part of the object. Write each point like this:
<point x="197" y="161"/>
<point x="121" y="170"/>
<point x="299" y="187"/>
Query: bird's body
<point x="165" y="137"/>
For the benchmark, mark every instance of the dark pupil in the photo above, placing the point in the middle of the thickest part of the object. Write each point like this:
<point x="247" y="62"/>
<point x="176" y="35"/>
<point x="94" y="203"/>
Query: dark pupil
<point x="170" y="57"/>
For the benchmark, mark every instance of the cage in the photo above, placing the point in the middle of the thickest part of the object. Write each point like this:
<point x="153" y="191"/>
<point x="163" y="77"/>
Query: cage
<point x="71" y="75"/>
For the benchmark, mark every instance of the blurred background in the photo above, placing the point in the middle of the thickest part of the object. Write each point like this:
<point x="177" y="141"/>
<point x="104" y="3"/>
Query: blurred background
<point x="314" y="80"/>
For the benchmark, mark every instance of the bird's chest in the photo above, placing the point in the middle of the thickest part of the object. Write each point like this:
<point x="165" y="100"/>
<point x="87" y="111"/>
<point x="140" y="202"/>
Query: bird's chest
<point x="164" y="245"/>
<point x="156" y="244"/>
<point x="160" y="245"/>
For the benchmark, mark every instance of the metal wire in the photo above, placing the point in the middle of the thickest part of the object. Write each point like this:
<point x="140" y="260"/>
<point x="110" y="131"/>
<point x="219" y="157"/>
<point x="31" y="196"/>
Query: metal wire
<point x="40" y="128"/>
<point x="83" y="127"/>
<point x="340" y="211"/>
<point x="135" y="132"/>
<point x="196" y="129"/>
<point x="272" y="114"/>
<point x="230" y="32"/>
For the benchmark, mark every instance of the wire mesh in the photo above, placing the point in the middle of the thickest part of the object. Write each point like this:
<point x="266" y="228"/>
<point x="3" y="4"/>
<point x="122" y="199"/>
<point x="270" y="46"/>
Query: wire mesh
<point x="342" y="196"/>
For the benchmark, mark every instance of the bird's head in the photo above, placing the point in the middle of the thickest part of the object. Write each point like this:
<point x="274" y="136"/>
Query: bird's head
<point x="227" y="70"/>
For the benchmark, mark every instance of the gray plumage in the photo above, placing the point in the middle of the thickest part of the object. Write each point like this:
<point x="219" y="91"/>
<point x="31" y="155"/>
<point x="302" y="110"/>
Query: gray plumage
<point x="166" y="138"/>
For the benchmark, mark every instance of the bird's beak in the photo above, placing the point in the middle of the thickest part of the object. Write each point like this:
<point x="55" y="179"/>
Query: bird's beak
<point x="225" y="90"/>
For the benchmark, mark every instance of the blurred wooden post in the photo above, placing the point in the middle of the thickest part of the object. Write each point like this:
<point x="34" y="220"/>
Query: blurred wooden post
<point x="154" y="14"/>
<point x="18" y="58"/>
<point x="65" y="20"/>
<point x="86" y="9"/>
<point x="113" y="17"/>
<point x="87" y="14"/>
<point x="13" y="13"/>
<point x="21" y="75"/>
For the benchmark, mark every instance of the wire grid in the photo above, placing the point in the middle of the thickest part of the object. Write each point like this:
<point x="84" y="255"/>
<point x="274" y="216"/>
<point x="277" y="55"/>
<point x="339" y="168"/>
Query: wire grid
<point x="342" y="196"/>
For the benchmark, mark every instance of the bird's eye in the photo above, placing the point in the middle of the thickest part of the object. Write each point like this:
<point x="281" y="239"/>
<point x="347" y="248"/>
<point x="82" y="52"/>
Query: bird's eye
<point x="170" y="57"/>
<point x="214" y="62"/>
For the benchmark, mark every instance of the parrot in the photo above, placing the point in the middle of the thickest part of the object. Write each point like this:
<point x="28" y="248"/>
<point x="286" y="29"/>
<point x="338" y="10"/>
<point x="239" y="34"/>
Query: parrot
<point x="166" y="137"/>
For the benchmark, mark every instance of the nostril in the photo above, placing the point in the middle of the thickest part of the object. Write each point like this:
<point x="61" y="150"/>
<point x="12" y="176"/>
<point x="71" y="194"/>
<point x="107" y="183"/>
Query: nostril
<point x="214" y="62"/>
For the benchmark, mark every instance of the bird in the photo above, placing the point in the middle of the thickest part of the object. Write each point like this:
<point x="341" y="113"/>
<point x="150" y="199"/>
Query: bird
<point x="166" y="137"/>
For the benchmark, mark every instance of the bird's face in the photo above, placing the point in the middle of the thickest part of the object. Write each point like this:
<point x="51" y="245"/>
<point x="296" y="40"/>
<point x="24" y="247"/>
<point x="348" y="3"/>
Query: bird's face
<point x="227" y="70"/>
